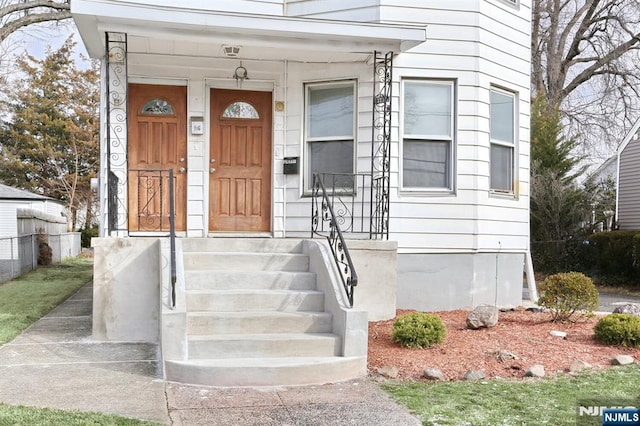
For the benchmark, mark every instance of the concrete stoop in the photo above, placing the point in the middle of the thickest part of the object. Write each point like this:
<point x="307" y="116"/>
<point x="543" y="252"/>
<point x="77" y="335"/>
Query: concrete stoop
<point x="255" y="318"/>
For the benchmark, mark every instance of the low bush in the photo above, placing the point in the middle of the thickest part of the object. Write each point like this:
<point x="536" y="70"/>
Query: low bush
<point x="418" y="330"/>
<point x="619" y="329"/>
<point x="568" y="295"/>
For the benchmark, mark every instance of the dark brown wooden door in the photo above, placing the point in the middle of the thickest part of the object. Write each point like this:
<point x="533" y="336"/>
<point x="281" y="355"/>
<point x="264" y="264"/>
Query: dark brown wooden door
<point x="157" y="142"/>
<point x="240" y="161"/>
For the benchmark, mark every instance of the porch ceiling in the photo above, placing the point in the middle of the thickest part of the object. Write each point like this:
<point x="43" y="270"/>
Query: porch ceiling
<point x="204" y="32"/>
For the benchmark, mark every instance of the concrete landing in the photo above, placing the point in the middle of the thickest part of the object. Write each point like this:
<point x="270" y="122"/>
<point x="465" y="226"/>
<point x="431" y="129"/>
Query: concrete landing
<point x="56" y="363"/>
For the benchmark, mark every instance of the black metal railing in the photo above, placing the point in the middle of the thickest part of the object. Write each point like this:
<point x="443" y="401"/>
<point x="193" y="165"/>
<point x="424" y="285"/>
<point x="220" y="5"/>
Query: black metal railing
<point x="349" y="196"/>
<point x="152" y="208"/>
<point x="322" y="213"/>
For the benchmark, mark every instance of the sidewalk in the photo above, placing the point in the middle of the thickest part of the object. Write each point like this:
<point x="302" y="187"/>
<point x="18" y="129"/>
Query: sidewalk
<point x="56" y="364"/>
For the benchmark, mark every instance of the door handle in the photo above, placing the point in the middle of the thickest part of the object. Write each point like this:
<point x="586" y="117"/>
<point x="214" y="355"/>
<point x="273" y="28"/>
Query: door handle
<point x="182" y="170"/>
<point x="182" y="159"/>
<point x="213" y="160"/>
<point x="211" y="170"/>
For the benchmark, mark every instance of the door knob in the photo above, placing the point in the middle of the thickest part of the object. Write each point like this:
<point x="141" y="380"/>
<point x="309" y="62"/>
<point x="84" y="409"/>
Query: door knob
<point x="211" y="170"/>
<point x="182" y="170"/>
<point x="213" y="160"/>
<point x="182" y="159"/>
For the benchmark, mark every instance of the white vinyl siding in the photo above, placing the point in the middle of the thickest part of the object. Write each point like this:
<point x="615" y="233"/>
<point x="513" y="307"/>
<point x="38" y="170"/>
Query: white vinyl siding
<point x="502" y="134"/>
<point x="329" y="128"/>
<point x="428" y="130"/>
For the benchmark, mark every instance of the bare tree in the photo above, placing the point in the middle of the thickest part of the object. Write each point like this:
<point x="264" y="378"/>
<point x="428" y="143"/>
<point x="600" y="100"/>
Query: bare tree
<point x="584" y="61"/>
<point x="17" y="14"/>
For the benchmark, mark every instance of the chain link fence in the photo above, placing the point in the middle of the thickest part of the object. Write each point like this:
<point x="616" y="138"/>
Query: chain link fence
<point x="19" y="255"/>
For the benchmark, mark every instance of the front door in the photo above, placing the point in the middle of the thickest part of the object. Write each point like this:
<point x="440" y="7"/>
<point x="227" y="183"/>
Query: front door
<point x="157" y="142"/>
<point x="240" y="161"/>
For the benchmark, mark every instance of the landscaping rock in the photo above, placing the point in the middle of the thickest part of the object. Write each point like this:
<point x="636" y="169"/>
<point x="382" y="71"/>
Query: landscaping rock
<point x="577" y="366"/>
<point x="507" y="308"/>
<point x="622" y="360"/>
<point x="482" y="316"/>
<point x="389" y="372"/>
<point x="534" y="309"/>
<point x="473" y="375"/>
<point x="433" y="374"/>
<point x="535" y="371"/>
<point x="629" y="308"/>
<point x="558" y="333"/>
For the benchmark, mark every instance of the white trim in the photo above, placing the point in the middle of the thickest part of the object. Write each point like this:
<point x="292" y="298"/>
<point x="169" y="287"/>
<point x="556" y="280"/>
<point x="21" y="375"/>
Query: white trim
<point x="452" y="139"/>
<point x="629" y="136"/>
<point x="94" y="17"/>
<point x="515" y="144"/>
<point x="304" y="165"/>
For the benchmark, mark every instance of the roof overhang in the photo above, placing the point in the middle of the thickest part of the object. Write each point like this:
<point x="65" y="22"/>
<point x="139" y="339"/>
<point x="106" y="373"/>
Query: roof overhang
<point x="95" y="17"/>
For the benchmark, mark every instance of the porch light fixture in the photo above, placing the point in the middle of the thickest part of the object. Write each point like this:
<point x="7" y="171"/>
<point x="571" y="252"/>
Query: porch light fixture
<point x="240" y="74"/>
<point x="231" y="51"/>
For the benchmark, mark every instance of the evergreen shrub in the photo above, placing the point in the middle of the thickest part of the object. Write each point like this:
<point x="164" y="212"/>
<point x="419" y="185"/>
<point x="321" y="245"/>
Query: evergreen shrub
<point x="619" y="329"/>
<point x="568" y="295"/>
<point x="418" y="330"/>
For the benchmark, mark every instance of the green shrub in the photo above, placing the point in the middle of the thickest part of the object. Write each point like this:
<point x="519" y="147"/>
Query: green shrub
<point x="616" y="256"/>
<point x="86" y="234"/>
<point x="418" y="330"/>
<point x="568" y="295"/>
<point x="619" y="329"/>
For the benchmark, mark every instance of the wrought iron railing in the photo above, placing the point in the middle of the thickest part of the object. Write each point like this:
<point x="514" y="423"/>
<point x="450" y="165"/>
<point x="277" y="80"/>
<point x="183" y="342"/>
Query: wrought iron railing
<point x="323" y="213"/>
<point x="152" y="208"/>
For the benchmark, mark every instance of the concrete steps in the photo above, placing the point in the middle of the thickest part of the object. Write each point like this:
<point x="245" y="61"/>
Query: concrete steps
<point x="254" y="317"/>
<point x="287" y="371"/>
<point x="203" y="323"/>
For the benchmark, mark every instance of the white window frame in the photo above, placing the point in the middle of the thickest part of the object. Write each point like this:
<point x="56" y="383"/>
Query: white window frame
<point x="451" y="164"/>
<point x="308" y="86"/>
<point x="512" y="145"/>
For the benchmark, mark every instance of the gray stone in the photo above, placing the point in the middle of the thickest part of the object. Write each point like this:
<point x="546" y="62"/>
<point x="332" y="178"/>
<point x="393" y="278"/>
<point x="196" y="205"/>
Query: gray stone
<point x="622" y="360"/>
<point x="482" y="316"/>
<point x="535" y="371"/>
<point x="507" y="308"/>
<point x="389" y="372"/>
<point x="534" y="309"/>
<point x="433" y="374"/>
<point x="577" y="366"/>
<point x="629" y="308"/>
<point x="473" y="375"/>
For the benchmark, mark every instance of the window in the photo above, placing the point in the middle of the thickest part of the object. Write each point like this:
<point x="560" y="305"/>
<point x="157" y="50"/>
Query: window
<point x="157" y="107"/>
<point x="240" y="110"/>
<point x="502" y="134"/>
<point x="427" y="143"/>
<point x="330" y="128"/>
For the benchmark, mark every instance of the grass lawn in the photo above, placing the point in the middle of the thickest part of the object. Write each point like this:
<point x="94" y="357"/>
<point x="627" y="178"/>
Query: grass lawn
<point x="29" y="416"/>
<point x="29" y="297"/>
<point x="550" y="401"/>
<point x="25" y="300"/>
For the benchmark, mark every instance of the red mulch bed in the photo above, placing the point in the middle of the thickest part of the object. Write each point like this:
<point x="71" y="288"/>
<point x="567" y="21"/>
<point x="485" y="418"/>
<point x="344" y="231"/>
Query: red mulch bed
<point x="522" y="333"/>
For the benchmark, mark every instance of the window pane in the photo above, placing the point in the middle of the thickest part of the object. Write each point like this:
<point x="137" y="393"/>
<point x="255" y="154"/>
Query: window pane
<point x="425" y="164"/>
<point x="240" y="110"/>
<point x="501" y="168"/>
<point x="330" y="111"/>
<point x="157" y="107"/>
<point x="427" y="109"/>
<point x="330" y="157"/>
<point x="501" y="117"/>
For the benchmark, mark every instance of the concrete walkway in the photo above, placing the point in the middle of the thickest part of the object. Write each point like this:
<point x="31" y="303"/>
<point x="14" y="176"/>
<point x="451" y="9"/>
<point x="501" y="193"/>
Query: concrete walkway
<point x="55" y="363"/>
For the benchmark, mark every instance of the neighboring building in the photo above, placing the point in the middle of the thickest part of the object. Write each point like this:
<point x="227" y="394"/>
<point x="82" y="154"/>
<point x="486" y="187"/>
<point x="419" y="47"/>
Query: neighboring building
<point x="22" y="216"/>
<point x="245" y="107"/>
<point x="628" y="181"/>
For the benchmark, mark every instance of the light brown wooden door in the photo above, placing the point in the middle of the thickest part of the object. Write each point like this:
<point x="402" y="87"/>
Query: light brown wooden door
<point x="240" y="161"/>
<point x="157" y="142"/>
